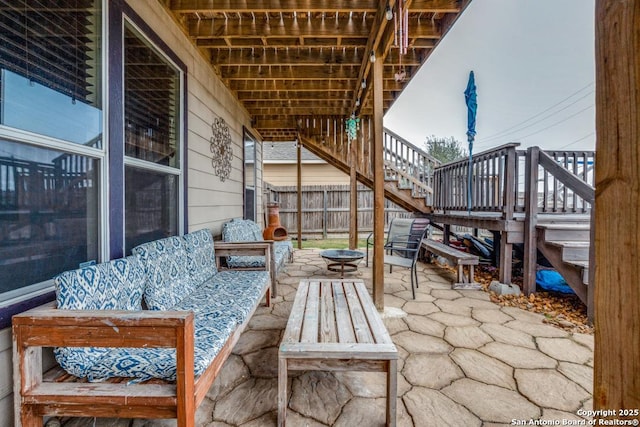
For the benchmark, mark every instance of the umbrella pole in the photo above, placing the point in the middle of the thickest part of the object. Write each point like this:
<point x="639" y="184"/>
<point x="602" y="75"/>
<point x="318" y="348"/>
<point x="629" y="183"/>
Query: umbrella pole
<point x="469" y="177"/>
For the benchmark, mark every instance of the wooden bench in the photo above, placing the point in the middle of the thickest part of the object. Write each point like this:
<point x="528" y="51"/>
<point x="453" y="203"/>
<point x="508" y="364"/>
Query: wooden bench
<point x="335" y="326"/>
<point x="460" y="260"/>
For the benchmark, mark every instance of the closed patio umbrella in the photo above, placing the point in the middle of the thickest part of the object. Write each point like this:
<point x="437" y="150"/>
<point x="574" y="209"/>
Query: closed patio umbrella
<point x="470" y="97"/>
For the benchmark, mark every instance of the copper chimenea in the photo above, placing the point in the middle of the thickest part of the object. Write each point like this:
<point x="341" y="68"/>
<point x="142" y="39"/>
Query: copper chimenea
<point x="274" y="230"/>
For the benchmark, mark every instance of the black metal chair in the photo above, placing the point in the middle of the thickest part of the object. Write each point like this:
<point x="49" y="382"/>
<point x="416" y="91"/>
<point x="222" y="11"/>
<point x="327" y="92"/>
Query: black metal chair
<point x="402" y="245"/>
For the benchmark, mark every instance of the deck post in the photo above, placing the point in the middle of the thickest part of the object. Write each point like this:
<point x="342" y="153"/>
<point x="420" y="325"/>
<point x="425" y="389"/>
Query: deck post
<point x="299" y="197"/>
<point x="530" y="220"/>
<point x="617" y="236"/>
<point x="378" y="184"/>
<point x="353" y="202"/>
<point x="509" y="197"/>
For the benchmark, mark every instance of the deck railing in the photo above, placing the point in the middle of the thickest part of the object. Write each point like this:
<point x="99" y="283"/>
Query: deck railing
<point x="499" y="182"/>
<point x="493" y="182"/>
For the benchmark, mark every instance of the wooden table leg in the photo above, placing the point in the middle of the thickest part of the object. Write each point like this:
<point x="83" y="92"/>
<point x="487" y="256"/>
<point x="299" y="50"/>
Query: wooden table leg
<point x="282" y="391"/>
<point x="392" y="392"/>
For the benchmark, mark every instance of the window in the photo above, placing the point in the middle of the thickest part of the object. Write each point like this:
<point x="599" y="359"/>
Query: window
<point x="51" y="148"/>
<point x="152" y="85"/>
<point x="249" y="176"/>
<point x="51" y="72"/>
<point x="151" y="210"/>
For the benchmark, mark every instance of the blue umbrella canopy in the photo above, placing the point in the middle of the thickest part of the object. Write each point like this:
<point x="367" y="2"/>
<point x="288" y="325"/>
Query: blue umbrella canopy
<point x="470" y="97"/>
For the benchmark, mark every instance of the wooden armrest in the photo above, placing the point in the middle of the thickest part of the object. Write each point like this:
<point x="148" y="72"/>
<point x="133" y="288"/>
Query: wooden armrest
<point x="51" y="327"/>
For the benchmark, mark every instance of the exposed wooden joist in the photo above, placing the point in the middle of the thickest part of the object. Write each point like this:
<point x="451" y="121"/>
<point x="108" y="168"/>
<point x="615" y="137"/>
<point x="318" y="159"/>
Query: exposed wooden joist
<point x="300" y="56"/>
<point x="274" y="28"/>
<point x="286" y="56"/>
<point x="306" y="72"/>
<point x="303" y="85"/>
<point x="315" y="111"/>
<point x="301" y="95"/>
<point x="289" y="6"/>
<point x="285" y="6"/>
<point x="372" y="46"/>
<point x="290" y="59"/>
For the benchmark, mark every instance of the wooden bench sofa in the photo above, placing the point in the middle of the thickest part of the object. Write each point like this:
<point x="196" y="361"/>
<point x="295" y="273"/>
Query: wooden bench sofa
<point x="460" y="259"/>
<point x="120" y="360"/>
<point x="245" y="230"/>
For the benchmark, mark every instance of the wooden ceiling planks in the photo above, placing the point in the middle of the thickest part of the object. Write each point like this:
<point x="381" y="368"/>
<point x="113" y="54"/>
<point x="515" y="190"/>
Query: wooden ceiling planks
<point x="287" y="59"/>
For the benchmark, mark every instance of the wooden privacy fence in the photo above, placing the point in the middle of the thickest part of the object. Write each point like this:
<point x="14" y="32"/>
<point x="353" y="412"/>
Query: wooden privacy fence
<point x="325" y="209"/>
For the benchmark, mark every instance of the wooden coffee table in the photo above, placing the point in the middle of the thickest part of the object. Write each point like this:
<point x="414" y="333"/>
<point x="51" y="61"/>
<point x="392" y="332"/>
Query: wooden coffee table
<point x="334" y="326"/>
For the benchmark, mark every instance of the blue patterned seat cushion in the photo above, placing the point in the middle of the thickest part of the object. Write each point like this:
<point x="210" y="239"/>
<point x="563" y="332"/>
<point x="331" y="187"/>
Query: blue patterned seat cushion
<point x="212" y="330"/>
<point x="166" y="265"/>
<point x="232" y="290"/>
<point x="219" y="305"/>
<point x="283" y="252"/>
<point x="114" y="285"/>
<point x="200" y="255"/>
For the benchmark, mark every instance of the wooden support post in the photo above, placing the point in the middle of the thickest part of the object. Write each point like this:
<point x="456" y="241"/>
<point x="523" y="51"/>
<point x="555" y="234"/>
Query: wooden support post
<point x="299" y="200"/>
<point x="509" y="197"/>
<point x="617" y="227"/>
<point x="530" y="220"/>
<point x="378" y="185"/>
<point x="353" y="202"/>
<point x="506" y="258"/>
<point x="446" y="230"/>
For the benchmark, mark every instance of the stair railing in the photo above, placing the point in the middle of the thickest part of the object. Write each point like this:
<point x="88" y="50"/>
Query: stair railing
<point x="409" y="165"/>
<point x="576" y="192"/>
<point x="565" y="181"/>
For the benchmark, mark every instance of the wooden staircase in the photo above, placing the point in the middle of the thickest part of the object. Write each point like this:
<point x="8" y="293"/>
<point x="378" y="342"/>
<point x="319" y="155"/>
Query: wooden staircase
<point x="566" y="246"/>
<point x="408" y="170"/>
<point x="553" y="219"/>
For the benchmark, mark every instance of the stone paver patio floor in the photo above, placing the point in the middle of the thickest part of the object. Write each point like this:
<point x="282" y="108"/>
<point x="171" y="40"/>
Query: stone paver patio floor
<point x="465" y="361"/>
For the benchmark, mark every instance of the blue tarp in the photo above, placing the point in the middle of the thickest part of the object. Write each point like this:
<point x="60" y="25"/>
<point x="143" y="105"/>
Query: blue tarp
<point x="551" y="280"/>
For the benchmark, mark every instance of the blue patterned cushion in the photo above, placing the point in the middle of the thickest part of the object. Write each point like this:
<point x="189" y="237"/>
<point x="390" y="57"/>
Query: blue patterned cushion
<point x="212" y="330"/>
<point x="200" y="255"/>
<point x="165" y="263"/>
<point x="283" y="252"/>
<point x="231" y="291"/>
<point x="242" y="230"/>
<point x="114" y="285"/>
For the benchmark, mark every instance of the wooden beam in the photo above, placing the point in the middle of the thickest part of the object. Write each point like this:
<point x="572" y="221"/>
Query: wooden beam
<point x="303" y="55"/>
<point x="300" y="111"/>
<point x="290" y="6"/>
<point x="299" y="195"/>
<point x="353" y="201"/>
<point x="378" y="187"/>
<point x="306" y="72"/>
<point x="283" y="56"/>
<point x="277" y="28"/>
<point x="303" y="85"/>
<point x="530" y="220"/>
<point x="285" y="6"/>
<point x="617" y="223"/>
<point x="373" y="42"/>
